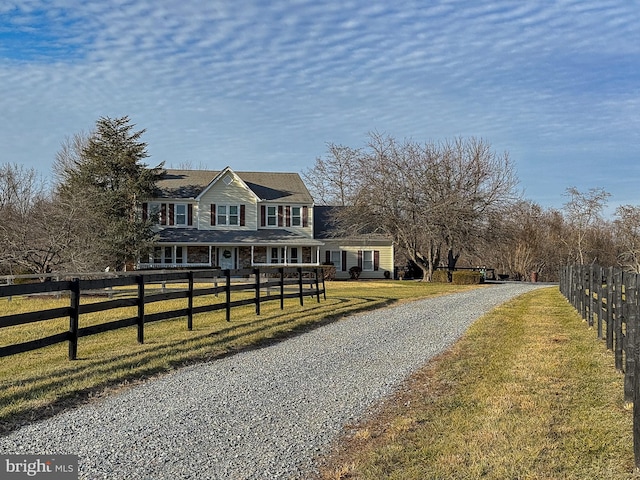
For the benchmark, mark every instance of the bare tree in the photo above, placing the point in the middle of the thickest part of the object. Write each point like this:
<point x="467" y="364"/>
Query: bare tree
<point x="583" y="211"/>
<point x="627" y="232"/>
<point x="472" y="183"/>
<point x="433" y="199"/>
<point x="35" y="232"/>
<point x="528" y="241"/>
<point x="333" y="179"/>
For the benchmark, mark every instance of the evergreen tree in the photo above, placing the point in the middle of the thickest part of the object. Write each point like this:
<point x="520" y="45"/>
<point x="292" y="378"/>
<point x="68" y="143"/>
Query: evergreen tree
<point x="105" y="173"/>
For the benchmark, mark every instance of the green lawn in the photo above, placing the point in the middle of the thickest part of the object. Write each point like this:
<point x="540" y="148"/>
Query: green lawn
<point x="528" y="393"/>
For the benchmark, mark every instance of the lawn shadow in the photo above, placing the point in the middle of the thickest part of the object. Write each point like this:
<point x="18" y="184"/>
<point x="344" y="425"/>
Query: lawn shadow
<point x="203" y="346"/>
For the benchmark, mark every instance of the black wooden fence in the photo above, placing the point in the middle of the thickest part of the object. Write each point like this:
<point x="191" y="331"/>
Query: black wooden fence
<point x="608" y="299"/>
<point x="262" y="283"/>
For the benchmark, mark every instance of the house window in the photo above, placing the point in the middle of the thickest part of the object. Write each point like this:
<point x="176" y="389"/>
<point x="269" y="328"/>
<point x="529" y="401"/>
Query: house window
<point x="336" y="259"/>
<point x="181" y="214"/>
<point x="228" y="215"/>
<point x="154" y="212"/>
<point x="275" y="255"/>
<point x="367" y="260"/>
<point x="179" y="255"/>
<point x="157" y="255"/>
<point x="272" y="216"/>
<point x="293" y="255"/>
<point x="168" y="255"/>
<point x="296" y="216"/>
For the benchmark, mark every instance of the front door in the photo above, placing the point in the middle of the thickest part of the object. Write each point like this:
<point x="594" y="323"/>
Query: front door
<point x="227" y="258"/>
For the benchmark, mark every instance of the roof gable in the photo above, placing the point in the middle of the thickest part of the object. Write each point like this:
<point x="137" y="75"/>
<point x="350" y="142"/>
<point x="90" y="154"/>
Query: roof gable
<point x="227" y="176"/>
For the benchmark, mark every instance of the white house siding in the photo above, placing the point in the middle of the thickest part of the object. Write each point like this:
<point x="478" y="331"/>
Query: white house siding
<point x="305" y="231"/>
<point x="232" y="194"/>
<point x="351" y="249"/>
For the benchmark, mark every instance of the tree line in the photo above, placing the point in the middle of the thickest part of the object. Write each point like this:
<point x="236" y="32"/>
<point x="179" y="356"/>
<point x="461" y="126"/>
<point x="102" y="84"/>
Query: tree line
<point x="456" y="203"/>
<point x="87" y="219"/>
<point x="445" y="204"/>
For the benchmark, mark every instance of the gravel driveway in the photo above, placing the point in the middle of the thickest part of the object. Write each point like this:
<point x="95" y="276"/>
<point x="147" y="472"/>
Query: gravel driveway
<point x="262" y="414"/>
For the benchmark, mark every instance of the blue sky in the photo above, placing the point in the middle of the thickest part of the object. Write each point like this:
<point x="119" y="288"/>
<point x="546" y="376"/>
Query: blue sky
<point x="266" y="84"/>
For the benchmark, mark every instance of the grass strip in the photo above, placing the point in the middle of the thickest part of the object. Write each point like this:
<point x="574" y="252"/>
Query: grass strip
<point x="528" y="393"/>
<point x="38" y="384"/>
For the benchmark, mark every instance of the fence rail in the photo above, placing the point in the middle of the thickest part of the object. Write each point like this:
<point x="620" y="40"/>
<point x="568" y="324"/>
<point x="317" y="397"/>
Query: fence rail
<point x="289" y="283"/>
<point x="608" y="299"/>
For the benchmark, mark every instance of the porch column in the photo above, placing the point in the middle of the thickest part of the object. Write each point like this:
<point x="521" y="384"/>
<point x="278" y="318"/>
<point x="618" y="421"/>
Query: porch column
<point x="252" y="256"/>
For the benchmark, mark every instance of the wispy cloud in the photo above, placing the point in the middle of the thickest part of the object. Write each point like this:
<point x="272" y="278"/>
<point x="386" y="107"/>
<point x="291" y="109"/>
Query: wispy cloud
<point x="265" y="84"/>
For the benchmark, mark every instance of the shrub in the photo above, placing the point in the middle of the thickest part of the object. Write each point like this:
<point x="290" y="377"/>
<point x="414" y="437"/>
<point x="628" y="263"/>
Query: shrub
<point x="329" y="271"/>
<point x="466" y="278"/>
<point x="355" y="272"/>
<point x="440" y="276"/>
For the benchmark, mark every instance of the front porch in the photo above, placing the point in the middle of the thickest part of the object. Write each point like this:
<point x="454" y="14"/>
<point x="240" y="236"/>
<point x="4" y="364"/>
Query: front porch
<point x="231" y="256"/>
<point x="231" y="249"/>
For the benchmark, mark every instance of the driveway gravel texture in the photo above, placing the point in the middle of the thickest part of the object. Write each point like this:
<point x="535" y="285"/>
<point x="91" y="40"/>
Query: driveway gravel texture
<point x="260" y="414"/>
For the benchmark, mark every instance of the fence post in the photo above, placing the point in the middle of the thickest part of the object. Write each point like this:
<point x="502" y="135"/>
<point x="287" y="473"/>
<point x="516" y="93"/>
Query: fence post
<point x="74" y="318"/>
<point x="636" y="409"/>
<point x="610" y="307"/>
<point x="591" y="302"/>
<point x="576" y="288"/>
<point x="190" y="302"/>
<point x="600" y="309"/>
<point x="140" y="282"/>
<point x="619" y="319"/>
<point x="584" y="284"/>
<point x="300" y="286"/>
<point x="227" y="291"/>
<point x="631" y="317"/>
<point x="324" y="287"/>
<point x="317" y="285"/>
<point x="256" y="272"/>
<point x="281" y="272"/>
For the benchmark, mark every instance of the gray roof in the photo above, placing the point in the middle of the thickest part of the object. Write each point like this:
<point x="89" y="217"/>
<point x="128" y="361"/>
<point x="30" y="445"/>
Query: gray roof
<point x="267" y="186"/>
<point x="324" y="228"/>
<point x="234" y="237"/>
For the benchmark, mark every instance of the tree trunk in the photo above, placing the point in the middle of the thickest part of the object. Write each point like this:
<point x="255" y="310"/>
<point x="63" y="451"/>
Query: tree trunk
<point x="452" y="259"/>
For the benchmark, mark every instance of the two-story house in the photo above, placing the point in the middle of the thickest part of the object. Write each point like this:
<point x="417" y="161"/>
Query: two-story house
<point x="232" y="220"/>
<point x="235" y="220"/>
